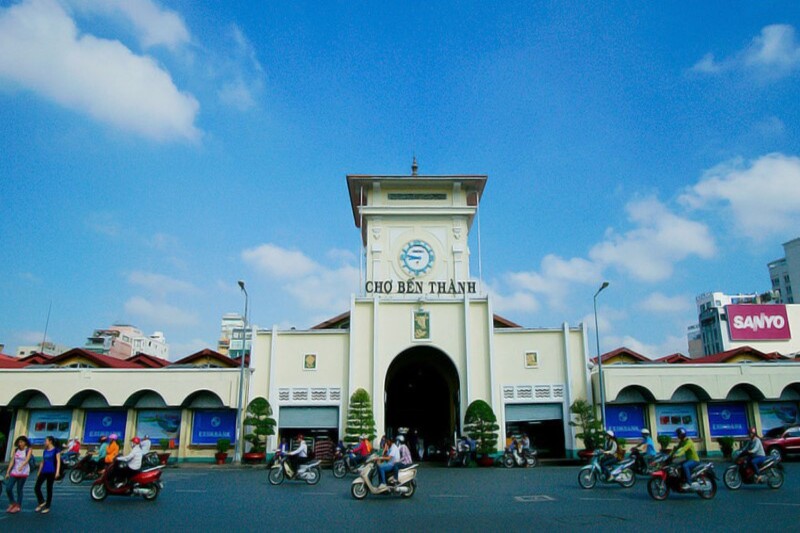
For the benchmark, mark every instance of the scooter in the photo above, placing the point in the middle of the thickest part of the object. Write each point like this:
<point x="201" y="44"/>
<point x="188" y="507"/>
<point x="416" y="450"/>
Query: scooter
<point x="281" y="469"/>
<point x="85" y="469"/>
<point x="405" y="485"/>
<point x="621" y="473"/>
<point x="702" y="481"/>
<point x="527" y="459"/>
<point x="742" y="471"/>
<point x="459" y="454"/>
<point x="644" y="466"/>
<point x="146" y="483"/>
<point x="345" y="463"/>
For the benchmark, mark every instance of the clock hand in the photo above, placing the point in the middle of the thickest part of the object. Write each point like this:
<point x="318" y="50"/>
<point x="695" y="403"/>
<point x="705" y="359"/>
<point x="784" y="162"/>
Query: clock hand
<point x="412" y="257"/>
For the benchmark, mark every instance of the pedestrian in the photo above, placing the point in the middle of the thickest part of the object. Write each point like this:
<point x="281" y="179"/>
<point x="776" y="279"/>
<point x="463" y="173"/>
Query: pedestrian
<point x="17" y="473"/>
<point x="49" y="470"/>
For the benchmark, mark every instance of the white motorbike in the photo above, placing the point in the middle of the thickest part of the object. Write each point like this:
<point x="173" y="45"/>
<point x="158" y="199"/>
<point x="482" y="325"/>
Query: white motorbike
<point x="405" y="485"/>
<point x="281" y="469"/>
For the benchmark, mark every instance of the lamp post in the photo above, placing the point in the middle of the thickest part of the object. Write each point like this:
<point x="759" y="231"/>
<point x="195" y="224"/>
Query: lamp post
<point x="600" y="359"/>
<point x="237" y="456"/>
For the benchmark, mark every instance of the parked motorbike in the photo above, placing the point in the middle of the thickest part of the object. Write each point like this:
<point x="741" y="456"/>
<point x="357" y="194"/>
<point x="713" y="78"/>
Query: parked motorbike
<point x="742" y="471"/>
<point x="146" y="483"/>
<point x="85" y="469"/>
<point x="621" y="473"/>
<point x="527" y="458"/>
<point x="702" y="481"/>
<point x="459" y="454"/>
<point x="644" y="466"/>
<point x="281" y="469"/>
<point x="405" y="485"/>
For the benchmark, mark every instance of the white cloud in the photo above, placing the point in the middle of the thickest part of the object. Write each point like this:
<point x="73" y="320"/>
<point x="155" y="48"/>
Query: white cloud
<point x="772" y="54"/>
<point x="42" y="50"/>
<point x="517" y="301"/>
<point x="153" y="24"/>
<point x="160" y="284"/>
<point x="279" y="262"/>
<point x="243" y="72"/>
<point x="103" y="223"/>
<point x="160" y="313"/>
<point x="762" y="198"/>
<point x="237" y="94"/>
<point x="554" y="279"/>
<point x="660" y="303"/>
<point x="661" y="239"/>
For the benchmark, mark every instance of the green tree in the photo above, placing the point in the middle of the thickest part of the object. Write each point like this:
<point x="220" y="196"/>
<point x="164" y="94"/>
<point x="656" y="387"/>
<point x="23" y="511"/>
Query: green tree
<point x="584" y="419"/>
<point x="480" y="423"/>
<point x="360" y="419"/>
<point x="259" y="419"/>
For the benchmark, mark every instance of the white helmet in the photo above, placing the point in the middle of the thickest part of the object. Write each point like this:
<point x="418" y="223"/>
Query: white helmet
<point x="645" y="431"/>
<point x="610" y="433"/>
<point x="401" y="439"/>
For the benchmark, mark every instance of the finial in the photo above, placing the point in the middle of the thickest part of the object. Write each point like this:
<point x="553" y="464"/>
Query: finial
<point x="414" y="166"/>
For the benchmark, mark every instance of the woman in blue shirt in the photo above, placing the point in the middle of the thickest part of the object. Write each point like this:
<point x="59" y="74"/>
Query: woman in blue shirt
<point x="49" y="470"/>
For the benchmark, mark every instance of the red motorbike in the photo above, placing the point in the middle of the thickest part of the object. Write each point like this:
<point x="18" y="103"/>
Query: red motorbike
<point x="146" y="483"/>
<point x="702" y="481"/>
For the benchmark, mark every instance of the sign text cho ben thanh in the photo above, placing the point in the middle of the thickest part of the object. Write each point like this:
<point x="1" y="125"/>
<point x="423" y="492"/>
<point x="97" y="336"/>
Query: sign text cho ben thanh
<point x="758" y="322"/>
<point x="413" y="286"/>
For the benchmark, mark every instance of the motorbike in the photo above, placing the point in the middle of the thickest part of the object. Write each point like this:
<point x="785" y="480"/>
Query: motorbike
<point x="621" y="473"/>
<point x="742" y="471"/>
<point x="70" y="460"/>
<point x="459" y="454"/>
<point x="281" y="469"/>
<point x="405" y="485"/>
<point x="85" y="468"/>
<point x="644" y="466"/>
<point x="703" y="481"/>
<point x="146" y="483"/>
<point x="528" y="458"/>
<point x="344" y="463"/>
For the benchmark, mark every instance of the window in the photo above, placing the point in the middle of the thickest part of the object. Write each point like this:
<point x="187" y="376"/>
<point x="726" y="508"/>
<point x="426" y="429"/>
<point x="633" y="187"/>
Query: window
<point x="531" y="359"/>
<point x="776" y="282"/>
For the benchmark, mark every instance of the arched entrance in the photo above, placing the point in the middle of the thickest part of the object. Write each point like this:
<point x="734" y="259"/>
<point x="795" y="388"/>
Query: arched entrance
<point x="422" y="394"/>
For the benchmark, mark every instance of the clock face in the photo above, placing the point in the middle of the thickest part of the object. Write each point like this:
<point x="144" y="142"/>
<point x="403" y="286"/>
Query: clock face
<point x="417" y="258"/>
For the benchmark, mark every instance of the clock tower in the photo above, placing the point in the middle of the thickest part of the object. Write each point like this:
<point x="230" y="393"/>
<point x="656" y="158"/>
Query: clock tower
<point x="414" y="231"/>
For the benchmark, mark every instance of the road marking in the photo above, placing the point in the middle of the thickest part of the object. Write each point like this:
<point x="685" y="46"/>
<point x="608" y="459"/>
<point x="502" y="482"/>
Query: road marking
<point x="601" y="499"/>
<point x="535" y="498"/>
<point x="315" y="493"/>
<point x="785" y="504"/>
<point x="449" y="496"/>
<point x="196" y="491"/>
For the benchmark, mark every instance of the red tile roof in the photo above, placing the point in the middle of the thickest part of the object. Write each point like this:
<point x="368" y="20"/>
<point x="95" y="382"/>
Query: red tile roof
<point x="676" y="358"/>
<point x="222" y="359"/>
<point x="8" y="361"/>
<point x="148" y="361"/>
<point x="723" y="357"/>
<point x="623" y="352"/>
<point x="102" y="361"/>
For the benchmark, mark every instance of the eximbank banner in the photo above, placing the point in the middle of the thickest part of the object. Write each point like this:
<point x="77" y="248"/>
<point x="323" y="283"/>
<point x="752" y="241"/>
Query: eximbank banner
<point x="210" y="426"/>
<point x="758" y="322"/>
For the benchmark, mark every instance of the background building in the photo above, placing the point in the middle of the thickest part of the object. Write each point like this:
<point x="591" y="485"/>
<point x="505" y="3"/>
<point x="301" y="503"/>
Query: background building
<point x="122" y="341"/>
<point x="785" y="272"/>
<point x="47" y="348"/>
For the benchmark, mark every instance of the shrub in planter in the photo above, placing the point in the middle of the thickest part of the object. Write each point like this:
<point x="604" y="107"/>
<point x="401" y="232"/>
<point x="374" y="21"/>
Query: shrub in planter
<point x="480" y="423"/>
<point x="664" y="441"/>
<point x="164" y="446"/>
<point x="360" y="419"/>
<point x="223" y="445"/>
<point x="583" y="418"/>
<point x="259" y="419"/>
<point x="726" y="446"/>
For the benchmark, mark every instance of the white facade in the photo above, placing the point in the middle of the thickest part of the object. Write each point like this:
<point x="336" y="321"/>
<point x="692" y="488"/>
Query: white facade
<point x="47" y="348"/>
<point x="123" y="341"/>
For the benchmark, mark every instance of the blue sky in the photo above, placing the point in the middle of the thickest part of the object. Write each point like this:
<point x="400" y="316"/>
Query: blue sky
<point x="153" y="153"/>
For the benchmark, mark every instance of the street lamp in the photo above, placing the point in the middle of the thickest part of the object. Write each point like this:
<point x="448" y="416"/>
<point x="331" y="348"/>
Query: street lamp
<point x="600" y="359"/>
<point x="237" y="456"/>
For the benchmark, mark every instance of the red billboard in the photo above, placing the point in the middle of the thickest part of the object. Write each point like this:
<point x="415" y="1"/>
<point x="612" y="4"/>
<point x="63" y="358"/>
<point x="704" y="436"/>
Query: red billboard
<point x="758" y="322"/>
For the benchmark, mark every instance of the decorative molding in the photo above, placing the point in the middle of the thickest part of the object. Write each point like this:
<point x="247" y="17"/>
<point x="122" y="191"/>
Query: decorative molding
<point x="533" y="393"/>
<point x="309" y="395"/>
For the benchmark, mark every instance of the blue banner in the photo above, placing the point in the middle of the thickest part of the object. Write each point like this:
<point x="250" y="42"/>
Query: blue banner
<point x="778" y="414"/>
<point x="51" y="422"/>
<point x="671" y="416"/>
<point x="99" y="423"/>
<point x="210" y="426"/>
<point x="625" y="420"/>
<point x="727" y="419"/>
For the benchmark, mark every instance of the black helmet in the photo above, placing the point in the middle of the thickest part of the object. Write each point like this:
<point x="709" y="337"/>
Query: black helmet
<point x="680" y="432"/>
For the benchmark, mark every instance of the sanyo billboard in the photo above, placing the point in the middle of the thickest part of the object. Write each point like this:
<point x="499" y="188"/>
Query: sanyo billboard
<point x="758" y="322"/>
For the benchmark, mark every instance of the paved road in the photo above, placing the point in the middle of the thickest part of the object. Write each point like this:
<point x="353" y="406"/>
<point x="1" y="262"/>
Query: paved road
<point x="548" y="498"/>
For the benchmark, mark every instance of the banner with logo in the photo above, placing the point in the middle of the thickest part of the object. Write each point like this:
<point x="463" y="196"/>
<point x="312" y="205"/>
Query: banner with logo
<point x="159" y="424"/>
<point x="49" y="422"/>
<point x="210" y="426"/>
<point x="727" y="419"/>
<point x="758" y="322"/>
<point x="99" y="423"/>
<point x="670" y="417"/>
<point x="778" y="414"/>
<point x="625" y="420"/>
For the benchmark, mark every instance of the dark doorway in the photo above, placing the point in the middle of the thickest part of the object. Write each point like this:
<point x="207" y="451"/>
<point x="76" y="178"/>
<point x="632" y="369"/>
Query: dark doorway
<point x="422" y="394"/>
<point x="6" y="416"/>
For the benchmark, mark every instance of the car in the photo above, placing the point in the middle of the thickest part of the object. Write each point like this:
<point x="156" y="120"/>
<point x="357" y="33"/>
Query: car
<point x="782" y="441"/>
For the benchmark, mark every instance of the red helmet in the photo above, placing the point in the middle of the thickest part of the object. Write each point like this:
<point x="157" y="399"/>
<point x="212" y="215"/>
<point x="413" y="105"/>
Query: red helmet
<point x="136" y="440"/>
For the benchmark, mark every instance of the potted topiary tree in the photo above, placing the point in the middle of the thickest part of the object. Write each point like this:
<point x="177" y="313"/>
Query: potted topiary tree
<point x="360" y="420"/>
<point x="164" y="446"/>
<point x="259" y="419"/>
<point x="480" y="424"/>
<point x="664" y="441"/>
<point x="223" y="445"/>
<point x="726" y="446"/>
<point x="590" y="428"/>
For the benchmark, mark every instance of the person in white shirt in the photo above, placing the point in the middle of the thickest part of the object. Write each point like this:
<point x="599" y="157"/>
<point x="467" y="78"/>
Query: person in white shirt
<point x="392" y="456"/>
<point x="146" y="444"/>
<point x="131" y="463"/>
<point x="299" y="455"/>
<point x="404" y="454"/>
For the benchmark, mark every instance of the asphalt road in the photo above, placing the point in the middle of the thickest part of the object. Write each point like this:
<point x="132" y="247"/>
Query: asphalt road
<point x="545" y="498"/>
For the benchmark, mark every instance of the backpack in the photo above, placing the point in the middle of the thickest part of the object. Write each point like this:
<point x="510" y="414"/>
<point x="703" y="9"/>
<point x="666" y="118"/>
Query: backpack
<point x="32" y="462"/>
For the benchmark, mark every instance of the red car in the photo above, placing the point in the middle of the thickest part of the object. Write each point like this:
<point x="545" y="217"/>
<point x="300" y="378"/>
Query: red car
<point x="782" y="441"/>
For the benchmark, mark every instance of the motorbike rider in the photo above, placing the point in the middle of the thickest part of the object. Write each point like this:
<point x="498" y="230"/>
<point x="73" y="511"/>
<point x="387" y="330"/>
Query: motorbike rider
<point x="130" y="464"/>
<point x="685" y="447"/>
<point x="360" y="453"/>
<point x="72" y="449"/>
<point x="526" y="443"/>
<point x="146" y="444"/>
<point x="100" y="458"/>
<point x="299" y="455"/>
<point x="755" y="451"/>
<point x="609" y="451"/>
<point x="649" y="446"/>
<point x="112" y="450"/>
<point x="405" y="456"/>
<point x="387" y="461"/>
